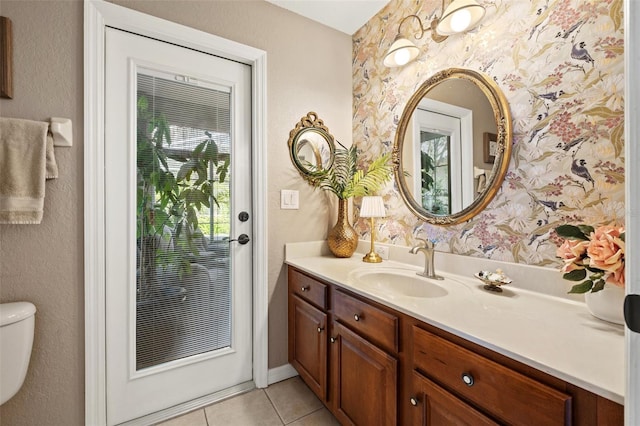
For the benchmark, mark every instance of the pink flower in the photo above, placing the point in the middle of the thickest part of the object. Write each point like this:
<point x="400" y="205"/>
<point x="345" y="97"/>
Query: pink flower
<point x="572" y="250"/>
<point x="570" y="266"/>
<point x="617" y="277"/>
<point x="606" y="252"/>
<point x="597" y="257"/>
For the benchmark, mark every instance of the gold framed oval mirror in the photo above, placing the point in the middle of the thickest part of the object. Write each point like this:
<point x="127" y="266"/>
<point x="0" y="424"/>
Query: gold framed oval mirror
<point x="452" y="146"/>
<point x="311" y="147"/>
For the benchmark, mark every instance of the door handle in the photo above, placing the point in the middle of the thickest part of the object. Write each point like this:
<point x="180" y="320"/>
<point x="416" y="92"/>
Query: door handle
<point x="632" y="312"/>
<point x="242" y="239"/>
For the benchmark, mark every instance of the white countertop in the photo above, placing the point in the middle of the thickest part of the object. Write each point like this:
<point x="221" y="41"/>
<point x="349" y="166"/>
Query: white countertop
<point x="552" y="334"/>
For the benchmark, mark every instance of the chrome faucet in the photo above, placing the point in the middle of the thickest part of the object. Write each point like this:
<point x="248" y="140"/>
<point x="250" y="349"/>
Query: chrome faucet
<point x="426" y="247"/>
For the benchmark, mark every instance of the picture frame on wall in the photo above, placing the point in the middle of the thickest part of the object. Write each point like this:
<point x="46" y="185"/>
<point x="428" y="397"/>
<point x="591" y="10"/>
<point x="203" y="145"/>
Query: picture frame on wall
<point x="6" y="59"/>
<point x="490" y="146"/>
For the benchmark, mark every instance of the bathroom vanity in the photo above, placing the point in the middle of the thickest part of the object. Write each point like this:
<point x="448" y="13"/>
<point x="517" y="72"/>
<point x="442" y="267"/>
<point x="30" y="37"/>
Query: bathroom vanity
<point x="386" y="355"/>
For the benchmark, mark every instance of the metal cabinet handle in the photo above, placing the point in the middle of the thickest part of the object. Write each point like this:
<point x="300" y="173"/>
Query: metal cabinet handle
<point x="320" y="329"/>
<point x="305" y="288"/>
<point x="413" y="400"/>
<point x="467" y="378"/>
<point x="332" y="339"/>
<point x="357" y="317"/>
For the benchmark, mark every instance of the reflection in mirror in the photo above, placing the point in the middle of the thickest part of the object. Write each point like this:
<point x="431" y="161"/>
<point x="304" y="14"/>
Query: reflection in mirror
<point x="311" y="147"/>
<point x="444" y="170"/>
<point x="313" y="151"/>
<point x="446" y="143"/>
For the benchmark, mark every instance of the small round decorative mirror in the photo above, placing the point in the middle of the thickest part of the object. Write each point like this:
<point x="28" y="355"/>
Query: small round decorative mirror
<point x="452" y="146"/>
<point x="311" y="148"/>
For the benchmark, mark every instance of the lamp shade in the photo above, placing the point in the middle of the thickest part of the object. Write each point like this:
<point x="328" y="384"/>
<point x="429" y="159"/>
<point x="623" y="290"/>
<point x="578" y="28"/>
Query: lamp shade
<point x="401" y="52"/>
<point x="460" y="16"/>
<point x="372" y="207"/>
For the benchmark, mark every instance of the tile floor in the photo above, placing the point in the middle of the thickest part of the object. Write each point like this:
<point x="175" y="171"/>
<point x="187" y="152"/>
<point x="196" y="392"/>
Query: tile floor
<point x="289" y="402"/>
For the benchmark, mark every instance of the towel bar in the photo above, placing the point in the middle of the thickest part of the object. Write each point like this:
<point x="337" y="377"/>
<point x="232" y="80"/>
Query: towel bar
<point x="62" y="131"/>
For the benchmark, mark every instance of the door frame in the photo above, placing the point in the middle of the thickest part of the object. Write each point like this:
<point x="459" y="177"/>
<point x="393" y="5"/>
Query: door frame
<point x="98" y="15"/>
<point x="632" y="200"/>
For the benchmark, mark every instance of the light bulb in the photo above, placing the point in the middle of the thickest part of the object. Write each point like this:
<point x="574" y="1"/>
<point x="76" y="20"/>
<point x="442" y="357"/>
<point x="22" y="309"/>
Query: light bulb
<point x="460" y="20"/>
<point x="401" y="57"/>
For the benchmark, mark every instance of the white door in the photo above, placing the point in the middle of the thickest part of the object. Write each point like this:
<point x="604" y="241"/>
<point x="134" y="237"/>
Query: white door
<point x="178" y="192"/>
<point x="433" y="118"/>
<point x="439" y="137"/>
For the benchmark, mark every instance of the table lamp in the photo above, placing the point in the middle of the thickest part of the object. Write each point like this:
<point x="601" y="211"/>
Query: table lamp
<point x="372" y="207"/>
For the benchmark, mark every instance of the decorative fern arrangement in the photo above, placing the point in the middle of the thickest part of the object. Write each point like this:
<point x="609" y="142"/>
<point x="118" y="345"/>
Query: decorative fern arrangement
<point x="345" y="180"/>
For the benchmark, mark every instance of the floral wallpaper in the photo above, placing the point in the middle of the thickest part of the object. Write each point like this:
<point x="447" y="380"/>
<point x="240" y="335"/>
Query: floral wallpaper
<point x="560" y="65"/>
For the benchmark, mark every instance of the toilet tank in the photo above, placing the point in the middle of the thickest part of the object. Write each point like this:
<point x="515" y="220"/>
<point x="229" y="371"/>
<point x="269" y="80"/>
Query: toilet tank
<point x="17" y="321"/>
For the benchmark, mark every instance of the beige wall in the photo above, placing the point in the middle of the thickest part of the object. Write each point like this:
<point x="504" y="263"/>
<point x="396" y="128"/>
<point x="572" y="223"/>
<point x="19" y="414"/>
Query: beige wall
<point x="309" y="69"/>
<point x="44" y="263"/>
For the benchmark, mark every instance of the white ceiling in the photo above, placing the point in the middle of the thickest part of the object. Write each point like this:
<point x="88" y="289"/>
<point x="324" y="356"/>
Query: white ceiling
<point x="343" y="15"/>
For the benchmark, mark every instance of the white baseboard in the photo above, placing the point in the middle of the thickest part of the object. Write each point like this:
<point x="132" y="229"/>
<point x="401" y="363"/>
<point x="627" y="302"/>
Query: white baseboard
<point x="281" y="373"/>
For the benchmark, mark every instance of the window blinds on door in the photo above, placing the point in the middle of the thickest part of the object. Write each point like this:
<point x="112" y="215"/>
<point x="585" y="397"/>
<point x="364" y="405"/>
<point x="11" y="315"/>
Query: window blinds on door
<point x="183" y="294"/>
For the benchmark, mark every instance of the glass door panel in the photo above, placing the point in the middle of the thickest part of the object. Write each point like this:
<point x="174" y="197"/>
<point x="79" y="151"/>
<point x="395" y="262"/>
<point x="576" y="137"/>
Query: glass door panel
<point x="435" y="172"/>
<point x="183" y="305"/>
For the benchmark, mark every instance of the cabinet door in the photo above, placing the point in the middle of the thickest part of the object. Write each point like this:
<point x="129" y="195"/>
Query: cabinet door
<point x="364" y="381"/>
<point x="308" y="344"/>
<point x="434" y="406"/>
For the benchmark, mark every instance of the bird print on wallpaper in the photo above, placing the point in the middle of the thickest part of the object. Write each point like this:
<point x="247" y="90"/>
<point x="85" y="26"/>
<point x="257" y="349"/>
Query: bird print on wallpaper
<point x="551" y="205"/>
<point x="543" y="16"/>
<point x="566" y="33"/>
<point x="540" y="129"/>
<point x="488" y="249"/>
<point x="579" y="168"/>
<point x="541" y="234"/>
<point x="579" y="52"/>
<point x="548" y="207"/>
<point x="551" y="96"/>
<point x="567" y="146"/>
<point x="545" y="100"/>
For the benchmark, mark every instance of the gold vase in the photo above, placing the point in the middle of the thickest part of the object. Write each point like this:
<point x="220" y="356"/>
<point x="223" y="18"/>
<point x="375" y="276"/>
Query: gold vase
<point x="342" y="238"/>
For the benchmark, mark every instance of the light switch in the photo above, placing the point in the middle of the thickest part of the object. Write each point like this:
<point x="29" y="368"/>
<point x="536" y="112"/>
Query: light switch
<point x="289" y="199"/>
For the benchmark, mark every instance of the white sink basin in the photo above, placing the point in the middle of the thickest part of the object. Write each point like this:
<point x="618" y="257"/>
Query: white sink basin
<point x="397" y="282"/>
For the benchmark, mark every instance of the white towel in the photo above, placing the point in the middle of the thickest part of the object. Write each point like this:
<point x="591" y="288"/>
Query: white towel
<point x="481" y="175"/>
<point x="482" y="184"/>
<point x="26" y="160"/>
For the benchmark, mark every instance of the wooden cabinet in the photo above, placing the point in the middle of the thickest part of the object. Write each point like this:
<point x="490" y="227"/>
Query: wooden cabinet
<point x="371" y="365"/>
<point x="364" y="380"/>
<point x="357" y="377"/>
<point x="308" y="349"/>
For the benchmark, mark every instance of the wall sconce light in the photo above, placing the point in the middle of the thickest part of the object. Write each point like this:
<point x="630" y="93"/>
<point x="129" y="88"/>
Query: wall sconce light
<point x="460" y="16"/>
<point x="372" y="207"/>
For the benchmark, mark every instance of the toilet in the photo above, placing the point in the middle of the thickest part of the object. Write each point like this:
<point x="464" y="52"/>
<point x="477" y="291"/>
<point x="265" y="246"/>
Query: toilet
<point x="17" y="321"/>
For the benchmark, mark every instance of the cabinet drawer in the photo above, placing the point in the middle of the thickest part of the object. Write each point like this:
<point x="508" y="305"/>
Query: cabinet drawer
<point x="370" y="322"/>
<point x="307" y="288"/>
<point x="434" y="406"/>
<point x="506" y="394"/>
